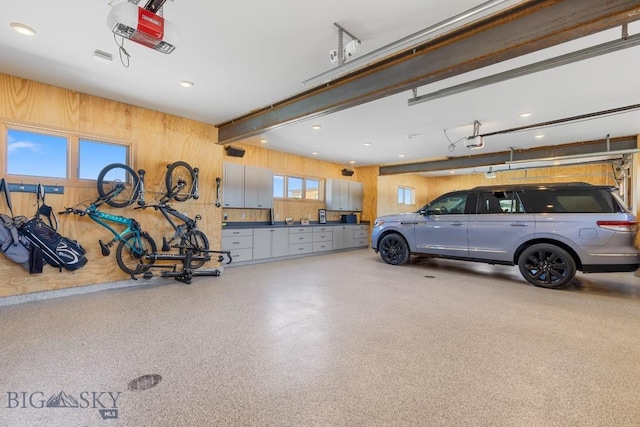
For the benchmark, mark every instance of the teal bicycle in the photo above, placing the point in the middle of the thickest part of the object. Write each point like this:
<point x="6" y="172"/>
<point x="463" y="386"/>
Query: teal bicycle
<point x="135" y="250"/>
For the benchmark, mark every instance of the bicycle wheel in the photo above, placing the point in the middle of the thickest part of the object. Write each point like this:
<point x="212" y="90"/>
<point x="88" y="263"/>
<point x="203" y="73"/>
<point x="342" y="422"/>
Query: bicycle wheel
<point x="131" y="253"/>
<point x="119" y="185"/>
<point x="180" y="172"/>
<point x="198" y="241"/>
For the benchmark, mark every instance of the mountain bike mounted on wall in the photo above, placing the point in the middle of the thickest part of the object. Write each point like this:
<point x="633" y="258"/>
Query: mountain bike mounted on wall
<point x="120" y="186"/>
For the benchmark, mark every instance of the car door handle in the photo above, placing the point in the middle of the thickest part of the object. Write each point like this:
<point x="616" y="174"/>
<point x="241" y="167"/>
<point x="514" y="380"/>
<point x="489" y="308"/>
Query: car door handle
<point x="456" y="223"/>
<point x="519" y="224"/>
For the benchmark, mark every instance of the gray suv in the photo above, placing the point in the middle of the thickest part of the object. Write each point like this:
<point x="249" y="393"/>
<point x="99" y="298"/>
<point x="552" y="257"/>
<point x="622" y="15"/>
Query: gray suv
<point x="548" y="230"/>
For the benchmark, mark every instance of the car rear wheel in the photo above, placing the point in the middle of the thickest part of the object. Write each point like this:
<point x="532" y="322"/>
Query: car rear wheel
<point x="547" y="266"/>
<point x="393" y="249"/>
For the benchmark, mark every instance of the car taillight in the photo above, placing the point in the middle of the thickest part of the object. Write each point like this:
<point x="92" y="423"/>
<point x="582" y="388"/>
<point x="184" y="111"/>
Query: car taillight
<point x="627" y="226"/>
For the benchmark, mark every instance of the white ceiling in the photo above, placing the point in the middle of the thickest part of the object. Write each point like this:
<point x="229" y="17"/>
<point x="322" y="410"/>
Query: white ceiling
<point x="245" y="55"/>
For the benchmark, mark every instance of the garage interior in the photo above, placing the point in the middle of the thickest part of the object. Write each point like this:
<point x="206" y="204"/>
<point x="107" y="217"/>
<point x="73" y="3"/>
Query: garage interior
<point x="339" y="338"/>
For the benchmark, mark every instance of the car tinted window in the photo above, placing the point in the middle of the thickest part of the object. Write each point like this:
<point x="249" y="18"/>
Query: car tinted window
<point x="498" y="202"/>
<point x="452" y="204"/>
<point x="571" y="200"/>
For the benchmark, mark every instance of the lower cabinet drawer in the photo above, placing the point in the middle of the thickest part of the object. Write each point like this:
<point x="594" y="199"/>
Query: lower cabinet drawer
<point x="322" y="246"/>
<point x="239" y="255"/>
<point x="299" y="238"/>
<point x="236" y="242"/>
<point x="361" y="242"/>
<point x="303" y="248"/>
<point x="359" y="234"/>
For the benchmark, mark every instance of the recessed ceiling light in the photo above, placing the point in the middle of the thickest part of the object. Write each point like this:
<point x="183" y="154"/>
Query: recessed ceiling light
<point x="352" y="161"/>
<point x="23" y="29"/>
<point x="452" y="171"/>
<point x="186" y="83"/>
<point x="366" y="144"/>
<point x="316" y="127"/>
<point x="263" y="141"/>
<point x="315" y="153"/>
<point x="523" y="115"/>
<point x="539" y="136"/>
<point x="400" y="155"/>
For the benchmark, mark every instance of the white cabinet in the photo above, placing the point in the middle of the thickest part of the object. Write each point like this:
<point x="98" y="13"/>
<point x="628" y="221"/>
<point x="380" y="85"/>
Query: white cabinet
<point x="322" y="238"/>
<point x="300" y="240"/>
<point x="356" y="195"/>
<point x="246" y="186"/>
<point x="360" y="235"/>
<point x="343" y="236"/>
<point x="343" y="195"/>
<point x="239" y="242"/>
<point x="270" y="242"/>
<point x="233" y="185"/>
<point x="258" y="187"/>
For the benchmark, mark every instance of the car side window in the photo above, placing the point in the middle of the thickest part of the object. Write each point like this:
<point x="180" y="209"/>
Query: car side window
<point x="498" y="202"/>
<point x="453" y="204"/>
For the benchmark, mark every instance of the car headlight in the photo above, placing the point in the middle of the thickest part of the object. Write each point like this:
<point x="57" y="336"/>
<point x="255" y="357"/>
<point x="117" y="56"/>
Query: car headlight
<point x="378" y="223"/>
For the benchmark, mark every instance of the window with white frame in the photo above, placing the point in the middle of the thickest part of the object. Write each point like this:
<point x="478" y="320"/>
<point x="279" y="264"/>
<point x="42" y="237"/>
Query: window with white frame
<point x="406" y="195"/>
<point x="296" y="187"/>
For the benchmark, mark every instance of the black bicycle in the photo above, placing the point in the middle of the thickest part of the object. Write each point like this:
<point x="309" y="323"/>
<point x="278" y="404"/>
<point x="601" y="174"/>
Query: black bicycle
<point x="133" y="187"/>
<point x="191" y="239"/>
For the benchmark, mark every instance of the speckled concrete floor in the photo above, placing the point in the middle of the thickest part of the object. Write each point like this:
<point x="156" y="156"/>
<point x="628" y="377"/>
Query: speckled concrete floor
<point x="335" y="340"/>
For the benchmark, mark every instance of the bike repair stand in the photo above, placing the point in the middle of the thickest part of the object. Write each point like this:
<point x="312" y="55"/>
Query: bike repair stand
<point x="186" y="259"/>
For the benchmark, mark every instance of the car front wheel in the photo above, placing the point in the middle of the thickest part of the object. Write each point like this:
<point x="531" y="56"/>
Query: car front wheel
<point x="547" y="266"/>
<point x="393" y="249"/>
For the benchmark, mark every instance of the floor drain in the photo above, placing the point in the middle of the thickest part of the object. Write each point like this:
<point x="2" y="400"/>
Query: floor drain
<point x="144" y="382"/>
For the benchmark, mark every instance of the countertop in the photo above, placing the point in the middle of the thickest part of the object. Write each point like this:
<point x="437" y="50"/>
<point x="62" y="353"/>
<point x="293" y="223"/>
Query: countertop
<point x="281" y="224"/>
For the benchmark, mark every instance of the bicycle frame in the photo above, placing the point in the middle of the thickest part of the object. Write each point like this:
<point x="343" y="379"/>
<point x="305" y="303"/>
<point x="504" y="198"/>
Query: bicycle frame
<point x="182" y="229"/>
<point x="131" y="226"/>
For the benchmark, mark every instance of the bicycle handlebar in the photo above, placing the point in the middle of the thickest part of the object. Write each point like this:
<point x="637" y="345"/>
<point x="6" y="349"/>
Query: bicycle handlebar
<point x="74" y="211"/>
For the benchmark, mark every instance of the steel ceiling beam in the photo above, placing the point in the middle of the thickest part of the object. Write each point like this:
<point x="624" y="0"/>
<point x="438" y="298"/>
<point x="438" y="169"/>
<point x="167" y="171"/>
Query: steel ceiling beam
<point x="518" y="30"/>
<point x="595" y="148"/>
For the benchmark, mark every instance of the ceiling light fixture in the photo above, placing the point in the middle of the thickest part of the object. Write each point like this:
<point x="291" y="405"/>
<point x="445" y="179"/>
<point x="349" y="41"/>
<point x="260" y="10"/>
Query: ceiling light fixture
<point x="186" y="83"/>
<point x="367" y="144"/>
<point x="539" y="136"/>
<point x="404" y="44"/>
<point x="590" y="52"/>
<point x="23" y="29"/>
<point x="524" y="115"/>
<point x="316" y="127"/>
<point x="101" y="56"/>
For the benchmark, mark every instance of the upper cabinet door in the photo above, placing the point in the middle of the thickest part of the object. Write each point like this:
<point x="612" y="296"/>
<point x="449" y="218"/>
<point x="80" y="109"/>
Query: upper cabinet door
<point x="258" y="187"/>
<point x="233" y="185"/>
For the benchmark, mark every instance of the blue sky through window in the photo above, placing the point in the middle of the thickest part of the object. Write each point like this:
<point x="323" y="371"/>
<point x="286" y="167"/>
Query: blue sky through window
<point x="94" y="156"/>
<point x="36" y="154"/>
<point x="45" y="155"/>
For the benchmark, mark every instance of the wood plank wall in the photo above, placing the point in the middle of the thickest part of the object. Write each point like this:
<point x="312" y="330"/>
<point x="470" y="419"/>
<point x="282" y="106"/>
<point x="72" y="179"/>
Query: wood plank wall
<point x="157" y="139"/>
